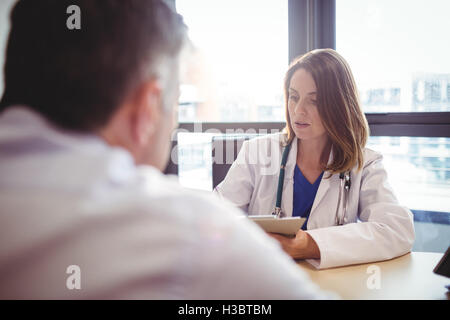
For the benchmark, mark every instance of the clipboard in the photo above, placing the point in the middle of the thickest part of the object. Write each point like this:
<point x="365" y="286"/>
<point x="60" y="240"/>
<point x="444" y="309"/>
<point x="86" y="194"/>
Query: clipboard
<point x="286" y="226"/>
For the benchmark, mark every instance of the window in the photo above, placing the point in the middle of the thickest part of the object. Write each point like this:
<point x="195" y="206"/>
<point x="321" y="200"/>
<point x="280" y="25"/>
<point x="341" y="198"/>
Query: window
<point x="418" y="170"/>
<point x="398" y="52"/>
<point x="235" y="73"/>
<point x="195" y="160"/>
<point x="240" y="55"/>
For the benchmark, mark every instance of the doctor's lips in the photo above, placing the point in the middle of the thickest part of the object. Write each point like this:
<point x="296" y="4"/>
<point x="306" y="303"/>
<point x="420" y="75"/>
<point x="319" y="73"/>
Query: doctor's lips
<point x="301" y="124"/>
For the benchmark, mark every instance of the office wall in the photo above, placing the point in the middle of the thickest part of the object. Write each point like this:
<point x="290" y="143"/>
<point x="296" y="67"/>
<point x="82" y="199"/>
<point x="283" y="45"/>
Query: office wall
<point x="5" y="8"/>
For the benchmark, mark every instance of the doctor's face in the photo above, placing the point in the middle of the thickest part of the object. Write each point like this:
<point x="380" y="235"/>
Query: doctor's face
<point x="302" y="107"/>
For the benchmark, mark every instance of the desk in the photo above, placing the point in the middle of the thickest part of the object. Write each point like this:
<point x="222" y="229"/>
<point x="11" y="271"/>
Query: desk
<point x="407" y="277"/>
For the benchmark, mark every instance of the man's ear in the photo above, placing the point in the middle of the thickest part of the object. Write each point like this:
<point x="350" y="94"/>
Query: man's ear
<point x="146" y="112"/>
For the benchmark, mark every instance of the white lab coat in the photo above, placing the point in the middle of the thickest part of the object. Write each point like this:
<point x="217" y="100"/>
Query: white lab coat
<point x="377" y="227"/>
<point x="70" y="199"/>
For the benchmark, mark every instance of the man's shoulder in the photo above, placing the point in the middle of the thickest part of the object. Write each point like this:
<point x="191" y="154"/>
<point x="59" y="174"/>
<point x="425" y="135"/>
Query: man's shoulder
<point x="159" y="192"/>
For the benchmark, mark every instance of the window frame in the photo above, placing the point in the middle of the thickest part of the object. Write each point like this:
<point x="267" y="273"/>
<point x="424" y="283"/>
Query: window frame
<point x="312" y="25"/>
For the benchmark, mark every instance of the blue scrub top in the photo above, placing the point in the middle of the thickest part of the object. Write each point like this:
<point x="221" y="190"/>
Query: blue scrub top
<point x="304" y="195"/>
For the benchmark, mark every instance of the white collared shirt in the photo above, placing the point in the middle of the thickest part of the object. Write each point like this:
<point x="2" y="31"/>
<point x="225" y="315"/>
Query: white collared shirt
<point x="72" y="200"/>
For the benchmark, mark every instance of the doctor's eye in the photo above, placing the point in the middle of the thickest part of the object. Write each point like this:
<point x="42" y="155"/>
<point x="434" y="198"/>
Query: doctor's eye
<point x="293" y="98"/>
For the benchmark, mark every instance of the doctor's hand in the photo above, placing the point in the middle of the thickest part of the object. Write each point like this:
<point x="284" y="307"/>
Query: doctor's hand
<point x="302" y="246"/>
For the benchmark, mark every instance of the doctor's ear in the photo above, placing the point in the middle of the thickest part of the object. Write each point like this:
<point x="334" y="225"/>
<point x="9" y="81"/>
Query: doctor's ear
<point x="146" y="112"/>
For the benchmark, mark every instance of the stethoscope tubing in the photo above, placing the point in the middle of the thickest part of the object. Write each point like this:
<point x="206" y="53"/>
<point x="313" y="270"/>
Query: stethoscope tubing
<point x="277" y="211"/>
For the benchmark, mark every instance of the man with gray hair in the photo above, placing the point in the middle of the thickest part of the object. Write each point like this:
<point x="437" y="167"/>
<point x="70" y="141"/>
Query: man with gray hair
<point x="85" y="126"/>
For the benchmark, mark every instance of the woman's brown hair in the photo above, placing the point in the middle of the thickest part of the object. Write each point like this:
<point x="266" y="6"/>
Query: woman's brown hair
<point x="338" y="106"/>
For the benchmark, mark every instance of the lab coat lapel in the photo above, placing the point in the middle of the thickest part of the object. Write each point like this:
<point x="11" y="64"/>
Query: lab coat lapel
<point x="324" y="186"/>
<point x="288" y="188"/>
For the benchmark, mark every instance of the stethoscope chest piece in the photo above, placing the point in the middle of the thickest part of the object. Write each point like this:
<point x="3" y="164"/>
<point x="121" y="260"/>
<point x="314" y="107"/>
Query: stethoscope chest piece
<point x="344" y="191"/>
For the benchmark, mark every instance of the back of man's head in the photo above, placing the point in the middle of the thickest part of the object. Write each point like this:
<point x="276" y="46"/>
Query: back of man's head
<point x="77" y="78"/>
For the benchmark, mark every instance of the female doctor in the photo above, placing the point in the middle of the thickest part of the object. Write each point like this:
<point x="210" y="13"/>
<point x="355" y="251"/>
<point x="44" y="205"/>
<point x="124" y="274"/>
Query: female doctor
<point x="319" y="168"/>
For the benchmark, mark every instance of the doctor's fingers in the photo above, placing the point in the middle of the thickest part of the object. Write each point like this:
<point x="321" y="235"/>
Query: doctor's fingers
<point x="289" y="245"/>
<point x="284" y="241"/>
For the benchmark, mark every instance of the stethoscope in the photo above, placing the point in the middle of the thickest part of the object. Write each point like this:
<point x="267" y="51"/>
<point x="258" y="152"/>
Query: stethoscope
<point x="343" y="192"/>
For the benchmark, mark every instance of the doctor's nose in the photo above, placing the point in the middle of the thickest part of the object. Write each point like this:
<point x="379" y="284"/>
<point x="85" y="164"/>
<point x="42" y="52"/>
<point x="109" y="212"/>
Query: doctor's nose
<point x="299" y="108"/>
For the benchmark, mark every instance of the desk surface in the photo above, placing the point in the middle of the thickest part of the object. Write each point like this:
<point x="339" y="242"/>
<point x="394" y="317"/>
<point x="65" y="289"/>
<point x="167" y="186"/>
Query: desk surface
<point x="407" y="277"/>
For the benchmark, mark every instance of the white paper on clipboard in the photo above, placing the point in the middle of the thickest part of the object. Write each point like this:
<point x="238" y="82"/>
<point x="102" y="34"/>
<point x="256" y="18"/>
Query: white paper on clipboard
<point x="286" y="226"/>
